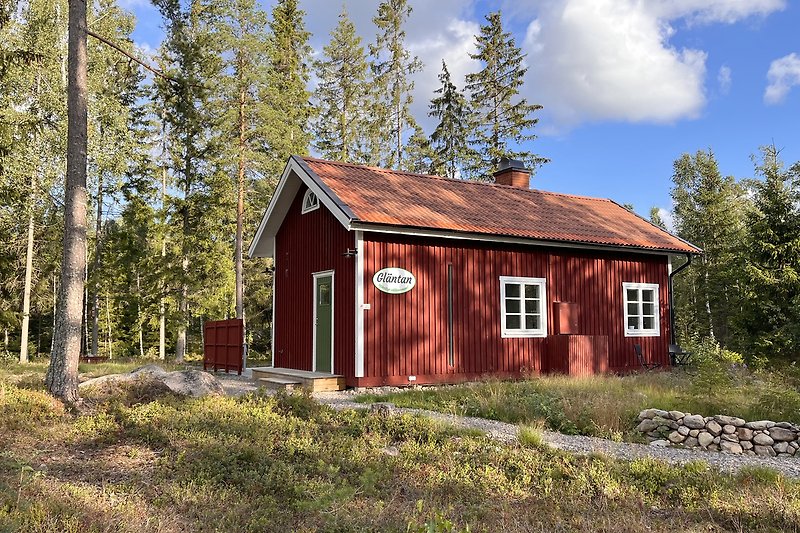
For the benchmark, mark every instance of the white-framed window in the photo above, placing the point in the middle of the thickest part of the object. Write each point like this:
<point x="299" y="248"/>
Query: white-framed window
<point x="310" y="202"/>
<point x="641" y="309"/>
<point x="523" y="307"/>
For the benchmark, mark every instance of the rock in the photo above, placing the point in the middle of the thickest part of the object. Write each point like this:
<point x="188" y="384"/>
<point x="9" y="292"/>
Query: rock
<point x="781" y="447"/>
<point x="705" y="439"/>
<point x="782" y="434"/>
<point x="791" y="451"/>
<point x="746" y="444"/>
<point x="730" y="447"/>
<point x="683" y="430"/>
<point x="382" y="408"/>
<point x="717" y="440"/>
<point x="650" y="413"/>
<point x="194" y="383"/>
<point x="794" y="444"/>
<point x="714" y="448"/>
<point x="391" y="451"/>
<point x="694" y="422"/>
<point x="662" y="443"/>
<point x="759" y="424"/>
<point x="729" y="429"/>
<point x="763" y="439"/>
<point x="770" y="425"/>
<point x="690" y="442"/>
<point x="729" y="438"/>
<point x="784" y="455"/>
<point x="714" y="428"/>
<point x="729" y="420"/>
<point x="765" y="451"/>
<point x="694" y="432"/>
<point x="665" y="422"/>
<point x="744" y="433"/>
<point x="676" y="415"/>
<point x="654" y="434"/>
<point x="675" y="437"/>
<point x="784" y="425"/>
<point x="647" y="425"/>
<point x="749" y="452"/>
<point x="664" y="429"/>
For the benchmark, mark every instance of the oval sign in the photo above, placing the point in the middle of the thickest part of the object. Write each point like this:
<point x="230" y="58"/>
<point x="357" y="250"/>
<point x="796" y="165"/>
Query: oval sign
<point x="394" y="280"/>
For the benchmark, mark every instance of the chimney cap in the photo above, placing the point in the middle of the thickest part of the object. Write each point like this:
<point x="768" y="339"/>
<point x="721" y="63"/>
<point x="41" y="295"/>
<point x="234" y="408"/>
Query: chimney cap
<point x="507" y="163"/>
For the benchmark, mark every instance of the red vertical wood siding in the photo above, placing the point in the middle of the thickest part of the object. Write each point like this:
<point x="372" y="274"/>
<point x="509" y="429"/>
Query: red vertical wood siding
<point x="577" y="355"/>
<point x="308" y="243"/>
<point x="407" y="334"/>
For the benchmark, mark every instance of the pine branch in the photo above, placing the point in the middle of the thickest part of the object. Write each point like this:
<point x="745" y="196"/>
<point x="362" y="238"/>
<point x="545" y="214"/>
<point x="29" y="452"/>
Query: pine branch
<point x="132" y="57"/>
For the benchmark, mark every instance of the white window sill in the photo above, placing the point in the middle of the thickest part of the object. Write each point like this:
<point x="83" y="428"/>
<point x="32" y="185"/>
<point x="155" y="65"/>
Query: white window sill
<point x="642" y="333"/>
<point x="523" y="334"/>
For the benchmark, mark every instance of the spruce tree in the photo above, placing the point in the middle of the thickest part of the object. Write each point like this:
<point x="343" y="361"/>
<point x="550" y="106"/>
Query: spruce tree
<point x="503" y="119"/>
<point x="392" y="67"/>
<point x="452" y="155"/>
<point x="419" y="155"/>
<point x="341" y="95"/>
<point x="709" y="212"/>
<point x="771" y="319"/>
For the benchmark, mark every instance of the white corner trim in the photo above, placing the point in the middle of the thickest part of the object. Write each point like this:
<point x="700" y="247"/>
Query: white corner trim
<point x="274" y="275"/>
<point x="523" y="333"/>
<point x="359" y="366"/>
<point x="656" y="330"/>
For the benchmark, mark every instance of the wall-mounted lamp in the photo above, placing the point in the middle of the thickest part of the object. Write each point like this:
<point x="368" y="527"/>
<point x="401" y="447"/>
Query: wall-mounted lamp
<point x="350" y="253"/>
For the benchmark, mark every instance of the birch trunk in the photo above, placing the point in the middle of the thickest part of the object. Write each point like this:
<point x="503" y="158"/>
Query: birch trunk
<point x="98" y="250"/>
<point x="26" y="295"/>
<point x="62" y="374"/>
<point x="162" y="307"/>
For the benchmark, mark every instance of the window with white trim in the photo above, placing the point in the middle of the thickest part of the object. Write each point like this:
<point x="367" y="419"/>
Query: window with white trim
<point x="523" y="307"/>
<point x="641" y="309"/>
<point x="310" y="202"/>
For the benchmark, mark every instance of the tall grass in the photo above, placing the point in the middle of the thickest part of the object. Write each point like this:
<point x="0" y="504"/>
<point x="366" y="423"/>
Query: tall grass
<point x="607" y="406"/>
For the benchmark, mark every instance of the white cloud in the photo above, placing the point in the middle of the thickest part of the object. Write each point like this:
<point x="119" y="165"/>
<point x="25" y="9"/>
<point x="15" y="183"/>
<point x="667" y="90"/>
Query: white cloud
<point x="783" y="74"/>
<point x="667" y="218"/>
<point x="724" y="79"/>
<point x="595" y="60"/>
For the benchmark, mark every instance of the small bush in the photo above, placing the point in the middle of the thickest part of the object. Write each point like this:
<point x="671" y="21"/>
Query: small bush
<point x="531" y="437"/>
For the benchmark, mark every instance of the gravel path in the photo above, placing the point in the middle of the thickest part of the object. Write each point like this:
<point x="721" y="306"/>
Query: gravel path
<point x="501" y="431"/>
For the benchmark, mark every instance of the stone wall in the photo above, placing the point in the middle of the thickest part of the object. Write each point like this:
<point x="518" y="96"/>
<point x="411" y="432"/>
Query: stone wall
<point x="719" y="433"/>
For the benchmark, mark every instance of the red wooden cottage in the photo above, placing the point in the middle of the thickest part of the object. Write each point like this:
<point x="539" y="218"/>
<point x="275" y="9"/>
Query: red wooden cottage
<point x="389" y="277"/>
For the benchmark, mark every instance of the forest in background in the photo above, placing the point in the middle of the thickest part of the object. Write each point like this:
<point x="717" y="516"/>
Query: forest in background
<point x="184" y="155"/>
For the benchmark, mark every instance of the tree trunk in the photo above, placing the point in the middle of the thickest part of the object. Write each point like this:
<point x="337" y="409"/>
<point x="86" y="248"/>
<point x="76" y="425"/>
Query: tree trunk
<point x="55" y="300"/>
<point x="139" y="314"/>
<point x="5" y="339"/>
<point x="162" y="317"/>
<point x="240" y="210"/>
<point x="180" y="344"/>
<point x="26" y="295"/>
<point x="108" y="329"/>
<point x="62" y="374"/>
<point x="98" y="250"/>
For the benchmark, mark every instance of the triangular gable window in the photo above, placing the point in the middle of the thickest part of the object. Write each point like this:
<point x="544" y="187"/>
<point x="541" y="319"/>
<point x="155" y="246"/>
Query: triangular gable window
<point x="310" y="202"/>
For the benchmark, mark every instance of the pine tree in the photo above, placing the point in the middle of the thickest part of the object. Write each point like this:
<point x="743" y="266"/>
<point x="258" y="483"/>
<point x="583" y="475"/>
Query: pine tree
<point x="450" y="140"/>
<point x="392" y="67"/>
<point x="709" y="211"/>
<point x="341" y="95"/>
<point x="244" y="27"/>
<point x="62" y="374"/>
<point x="771" y="319"/>
<point x="503" y="119"/>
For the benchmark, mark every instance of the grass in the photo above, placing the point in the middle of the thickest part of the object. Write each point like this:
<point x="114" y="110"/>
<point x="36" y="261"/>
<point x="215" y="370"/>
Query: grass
<point x="152" y="462"/>
<point x="607" y="406"/>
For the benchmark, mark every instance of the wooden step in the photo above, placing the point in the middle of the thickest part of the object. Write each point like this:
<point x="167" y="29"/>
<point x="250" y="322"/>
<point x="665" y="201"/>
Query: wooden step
<point x="314" y="381"/>
<point x="277" y="383"/>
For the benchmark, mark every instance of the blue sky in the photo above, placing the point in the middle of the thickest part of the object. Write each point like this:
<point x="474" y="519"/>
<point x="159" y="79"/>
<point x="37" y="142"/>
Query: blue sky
<point x="627" y="85"/>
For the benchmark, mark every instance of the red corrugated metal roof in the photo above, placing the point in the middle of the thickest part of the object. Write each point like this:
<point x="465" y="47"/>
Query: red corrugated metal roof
<point x="381" y="196"/>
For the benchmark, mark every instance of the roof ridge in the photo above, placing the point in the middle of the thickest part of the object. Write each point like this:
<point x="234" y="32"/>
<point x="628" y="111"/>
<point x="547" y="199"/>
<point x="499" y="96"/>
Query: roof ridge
<point x="454" y="180"/>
